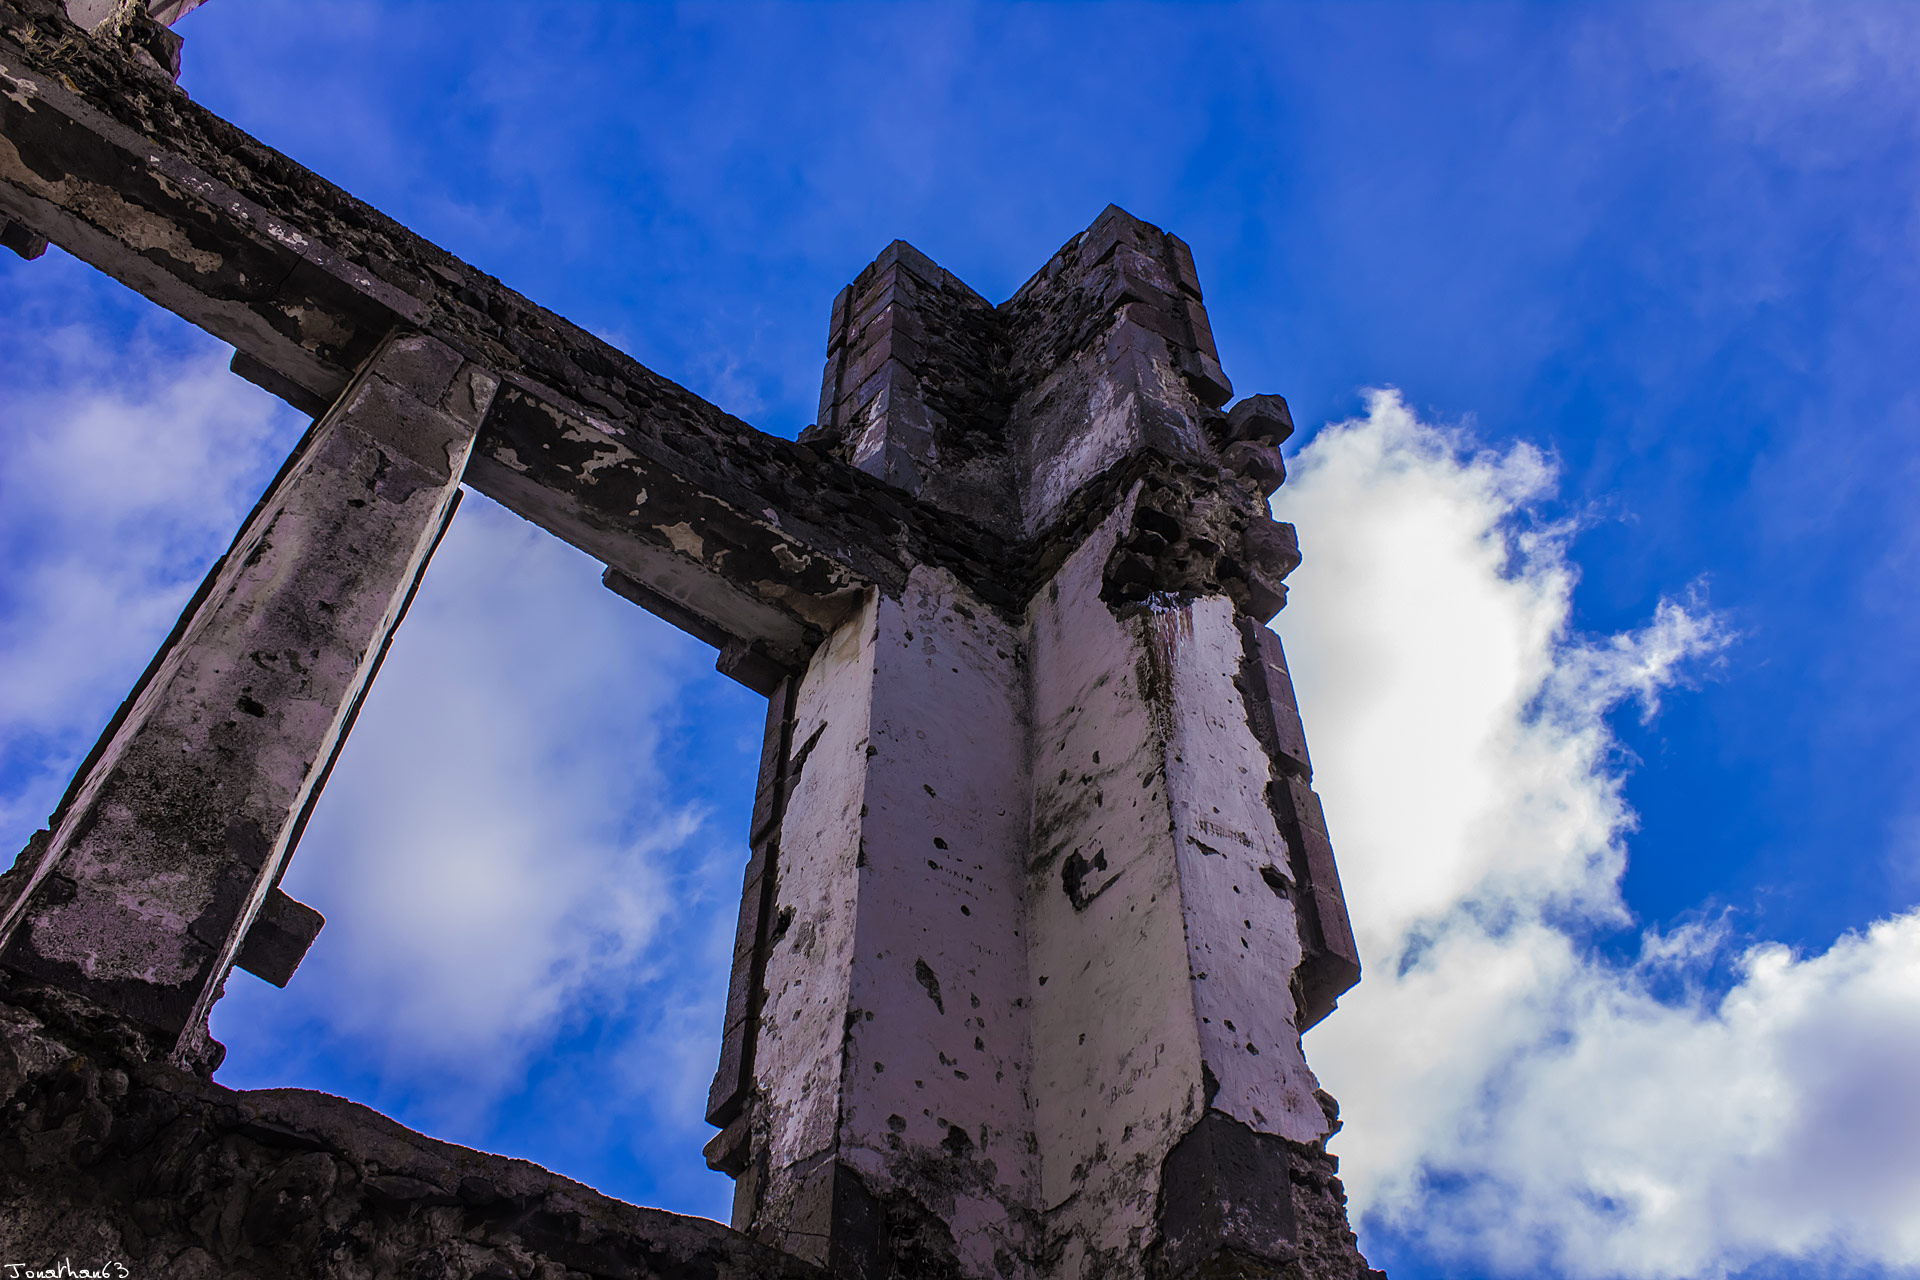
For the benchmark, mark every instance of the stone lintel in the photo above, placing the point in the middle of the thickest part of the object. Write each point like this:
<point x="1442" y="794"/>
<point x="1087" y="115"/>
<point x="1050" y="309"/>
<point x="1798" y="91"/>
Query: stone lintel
<point x="720" y="554"/>
<point x="114" y="164"/>
<point x="158" y="222"/>
<point x="304" y="281"/>
<point x="178" y="828"/>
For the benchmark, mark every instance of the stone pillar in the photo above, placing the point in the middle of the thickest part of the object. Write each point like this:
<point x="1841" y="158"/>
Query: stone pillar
<point x="1041" y="899"/>
<point x="914" y="386"/>
<point x="890" y="1121"/>
<point x="145" y="888"/>
<point x="1164" y="936"/>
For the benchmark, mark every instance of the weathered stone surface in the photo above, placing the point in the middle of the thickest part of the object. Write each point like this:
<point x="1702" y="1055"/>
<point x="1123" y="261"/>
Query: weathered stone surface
<point x="916" y="387"/>
<point x="892" y="1044"/>
<point x="120" y="168"/>
<point x="1240" y="1205"/>
<point x="107" y="1155"/>
<point x="1110" y="916"/>
<point x="1039" y="898"/>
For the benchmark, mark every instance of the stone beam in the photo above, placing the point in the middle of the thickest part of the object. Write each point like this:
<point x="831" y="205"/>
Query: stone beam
<point x="145" y="888"/>
<point x="102" y="155"/>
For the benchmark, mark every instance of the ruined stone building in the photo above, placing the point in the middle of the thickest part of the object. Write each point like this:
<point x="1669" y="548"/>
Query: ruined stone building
<point x="1038" y="900"/>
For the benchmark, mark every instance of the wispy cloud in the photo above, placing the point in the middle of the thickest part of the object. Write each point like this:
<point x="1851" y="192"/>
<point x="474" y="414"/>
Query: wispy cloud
<point x="1517" y="1101"/>
<point x="491" y="849"/>
<point x="529" y="898"/>
<point x="128" y="463"/>
<point x="529" y="895"/>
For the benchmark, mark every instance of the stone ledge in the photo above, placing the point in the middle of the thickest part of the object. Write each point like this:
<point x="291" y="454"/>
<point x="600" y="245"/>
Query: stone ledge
<point x="108" y="1156"/>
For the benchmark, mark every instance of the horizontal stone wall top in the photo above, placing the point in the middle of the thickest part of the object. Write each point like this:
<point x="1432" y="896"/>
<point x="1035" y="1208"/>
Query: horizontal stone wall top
<point x="108" y="1156"/>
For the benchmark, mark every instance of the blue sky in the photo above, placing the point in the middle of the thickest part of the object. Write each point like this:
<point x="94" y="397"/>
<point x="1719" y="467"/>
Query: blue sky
<point x="1633" y="538"/>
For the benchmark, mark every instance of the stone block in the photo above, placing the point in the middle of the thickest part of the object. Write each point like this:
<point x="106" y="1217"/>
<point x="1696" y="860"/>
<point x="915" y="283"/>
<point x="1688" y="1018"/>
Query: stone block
<point x="892" y="289"/>
<point x="733" y="1077"/>
<point x="1132" y="276"/>
<point x="419" y="431"/>
<point x="1330" y="960"/>
<point x="273" y="382"/>
<point x="1258" y="461"/>
<point x="874" y="352"/>
<point x="1194" y="312"/>
<point x="1226" y="1200"/>
<point x="421" y="366"/>
<point x="1263" y="417"/>
<point x="1304" y="807"/>
<point x="1114" y="228"/>
<point x="729" y="1150"/>
<point x="1140" y="330"/>
<point x="837" y="322"/>
<point x="171" y="11"/>
<point x="827" y="416"/>
<point x="1266" y="595"/>
<point x="1273" y="547"/>
<point x="1181" y="258"/>
<point x="909" y="259"/>
<point x="1288" y="737"/>
<point x="1166" y="325"/>
<point x="279" y="938"/>
<point x="17" y="237"/>
<point x="898" y="316"/>
<point x="775" y="743"/>
<point x="749" y="663"/>
<point x="1144" y="267"/>
<point x="1206" y="378"/>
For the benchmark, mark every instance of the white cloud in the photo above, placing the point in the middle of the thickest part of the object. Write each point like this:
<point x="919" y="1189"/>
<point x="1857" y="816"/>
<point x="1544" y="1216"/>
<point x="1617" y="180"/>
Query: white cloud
<point x="491" y="850"/>
<point x="501" y="855"/>
<point x="127" y="466"/>
<point x="1515" y="1101"/>
<point x="529" y="912"/>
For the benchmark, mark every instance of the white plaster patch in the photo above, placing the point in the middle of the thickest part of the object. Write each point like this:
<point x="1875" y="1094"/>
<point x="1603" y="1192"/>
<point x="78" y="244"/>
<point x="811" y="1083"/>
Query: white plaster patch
<point x="683" y="539"/>
<point x="20" y="92"/>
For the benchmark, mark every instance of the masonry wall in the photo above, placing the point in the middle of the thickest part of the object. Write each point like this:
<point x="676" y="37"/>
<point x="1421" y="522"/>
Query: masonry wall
<point x="108" y="1157"/>
<point x="1009" y="998"/>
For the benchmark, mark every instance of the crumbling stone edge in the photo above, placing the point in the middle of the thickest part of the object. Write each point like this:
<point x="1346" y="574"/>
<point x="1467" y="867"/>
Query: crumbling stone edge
<point x="110" y="1156"/>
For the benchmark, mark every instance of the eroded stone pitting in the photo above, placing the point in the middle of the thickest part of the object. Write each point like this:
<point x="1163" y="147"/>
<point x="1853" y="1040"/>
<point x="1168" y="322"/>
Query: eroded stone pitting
<point x="107" y="1153"/>
<point x="1039" y="896"/>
